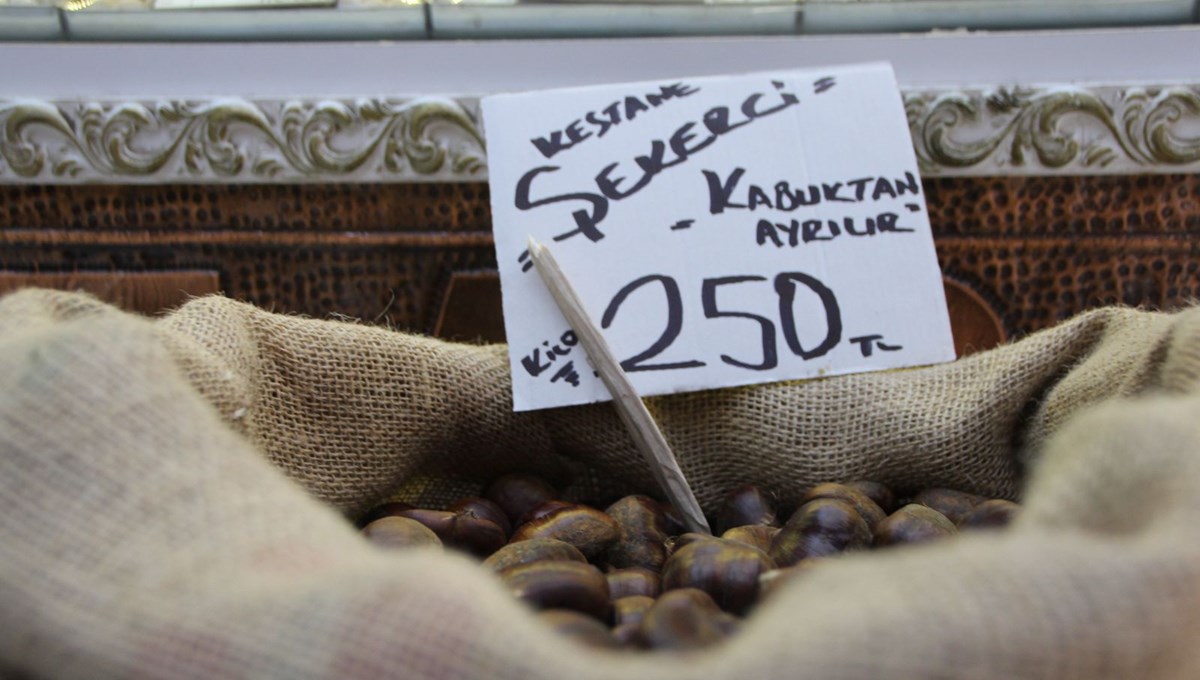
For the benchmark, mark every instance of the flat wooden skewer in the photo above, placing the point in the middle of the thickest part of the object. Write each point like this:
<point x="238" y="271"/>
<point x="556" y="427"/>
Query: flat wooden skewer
<point x="646" y="435"/>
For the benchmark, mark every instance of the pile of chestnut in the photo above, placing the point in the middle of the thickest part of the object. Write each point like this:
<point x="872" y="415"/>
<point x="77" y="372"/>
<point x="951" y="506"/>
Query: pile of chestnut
<point x="632" y="577"/>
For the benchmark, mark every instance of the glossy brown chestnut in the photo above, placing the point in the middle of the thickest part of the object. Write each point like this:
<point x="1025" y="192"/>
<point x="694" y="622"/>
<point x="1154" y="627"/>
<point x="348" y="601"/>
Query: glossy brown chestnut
<point x="482" y="508"/>
<point x="533" y="550"/>
<point x="882" y="494"/>
<point x="676" y="542"/>
<point x="629" y="636"/>
<point x="757" y="535"/>
<point x="744" y="506"/>
<point x="541" y="510"/>
<point x="641" y="530"/>
<point x="630" y="609"/>
<point x="822" y="527"/>
<point x="990" y="514"/>
<point x="727" y="570"/>
<point x="953" y="504"/>
<point x="867" y="508"/>
<point x="560" y="585"/>
<point x="382" y="510"/>
<point x="771" y="582"/>
<point x="470" y="534"/>
<point x="588" y="529"/>
<point x="684" y="619"/>
<point x="913" y="524"/>
<point x="517" y="493"/>
<point x="400" y="532"/>
<point x="633" y="581"/>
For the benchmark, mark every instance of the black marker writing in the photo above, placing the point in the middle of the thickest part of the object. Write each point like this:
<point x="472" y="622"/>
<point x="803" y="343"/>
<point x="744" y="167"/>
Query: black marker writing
<point x="567" y="373"/>
<point x="724" y="193"/>
<point x="787" y="286"/>
<point x="614" y="183"/>
<point x="867" y="343"/>
<point x="541" y="358"/>
<point x="599" y="122"/>
<point x="585" y="220"/>
<point x="795" y="232"/>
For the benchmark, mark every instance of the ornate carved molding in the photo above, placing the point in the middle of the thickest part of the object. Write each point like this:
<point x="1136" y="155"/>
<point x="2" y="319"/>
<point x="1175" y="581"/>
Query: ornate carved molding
<point x="975" y="131"/>
<point x="1056" y="130"/>
<point x="236" y="140"/>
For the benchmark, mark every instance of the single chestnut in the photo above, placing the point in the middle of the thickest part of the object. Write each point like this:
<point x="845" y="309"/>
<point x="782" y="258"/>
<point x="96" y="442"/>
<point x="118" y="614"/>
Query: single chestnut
<point x="825" y="526"/>
<point x="471" y="534"/>
<point x="382" y="510"/>
<point x="518" y="493"/>
<point x="588" y="529"/>
<point x="990" y="514"/>
<point x="953" y="504"/>
<point x="867" y="508"/>
<point x="757" y="535"/>
<point x="676" y="542"/>
<point x="533" y="550"/>
<point x="633" y="581"/>
<point x="482" y="508"/>
<point x="629" y="636"/>
<point x="743" y="506"/>
<point x="913" y="524"/>
<point x="560" y="585"/>
<point x="684" y="619"/>
<point x="771" y="582"/>
<point x="882" y="494"/>
<point x="541" y="510"/>
<point x="630" y="609"/>
<point x="727" y="570"/>
<point x="639" y="512"/>
<point x="400" y="532"/>
<point x="641" y="530"/>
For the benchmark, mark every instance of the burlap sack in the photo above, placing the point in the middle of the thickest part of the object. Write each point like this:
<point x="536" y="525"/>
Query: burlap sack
<point x="174" y="495"/>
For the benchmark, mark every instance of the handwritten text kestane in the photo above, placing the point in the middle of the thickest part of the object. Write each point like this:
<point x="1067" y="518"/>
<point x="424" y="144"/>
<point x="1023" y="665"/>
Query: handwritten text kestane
<point x="598" y="123"/>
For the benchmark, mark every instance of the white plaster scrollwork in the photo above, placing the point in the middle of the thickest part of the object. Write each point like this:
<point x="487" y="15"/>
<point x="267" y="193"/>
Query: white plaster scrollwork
<point x="235" y="140"/>
<point x="970" y="131"/>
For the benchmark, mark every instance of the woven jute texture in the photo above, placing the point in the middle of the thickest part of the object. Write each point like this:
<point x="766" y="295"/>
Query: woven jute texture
<point x="175" y="496"/>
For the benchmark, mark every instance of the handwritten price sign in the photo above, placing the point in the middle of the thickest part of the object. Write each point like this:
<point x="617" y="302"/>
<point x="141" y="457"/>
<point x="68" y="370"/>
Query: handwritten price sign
<point x="721" y="231"/>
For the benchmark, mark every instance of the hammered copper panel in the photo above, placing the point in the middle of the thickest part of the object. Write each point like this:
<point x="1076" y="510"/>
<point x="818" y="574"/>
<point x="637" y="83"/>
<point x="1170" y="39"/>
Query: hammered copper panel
<point x="1040" y="250"/>
<point x="1026" y="251"/>
<point x="305" y="207"/>
<point x="381" y="253"/>
<point x="1065" y="207"/>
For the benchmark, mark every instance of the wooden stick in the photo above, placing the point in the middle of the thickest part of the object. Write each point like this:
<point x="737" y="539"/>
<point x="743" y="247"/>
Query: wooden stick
<point x="646" y="435"/>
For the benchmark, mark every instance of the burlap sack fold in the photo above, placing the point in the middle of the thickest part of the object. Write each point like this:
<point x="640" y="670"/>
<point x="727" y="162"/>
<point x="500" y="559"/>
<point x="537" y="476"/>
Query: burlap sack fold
<point x="148" y="530"/>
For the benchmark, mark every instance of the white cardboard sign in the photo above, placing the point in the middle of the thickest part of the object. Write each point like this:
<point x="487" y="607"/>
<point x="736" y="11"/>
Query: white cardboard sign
<point x="721" y="231"/>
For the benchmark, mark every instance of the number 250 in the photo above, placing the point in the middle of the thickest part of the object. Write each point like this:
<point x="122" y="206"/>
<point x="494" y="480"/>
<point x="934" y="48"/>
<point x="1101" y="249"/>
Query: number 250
<point x="785" y="287"/>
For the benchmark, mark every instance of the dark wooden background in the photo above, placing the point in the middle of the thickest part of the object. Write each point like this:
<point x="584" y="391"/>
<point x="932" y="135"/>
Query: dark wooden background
<point x="1018" y="254"/>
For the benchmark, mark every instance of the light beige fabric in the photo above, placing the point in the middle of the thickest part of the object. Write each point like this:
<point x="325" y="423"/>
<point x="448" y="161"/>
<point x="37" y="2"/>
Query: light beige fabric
<point x="174" y="494"/>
